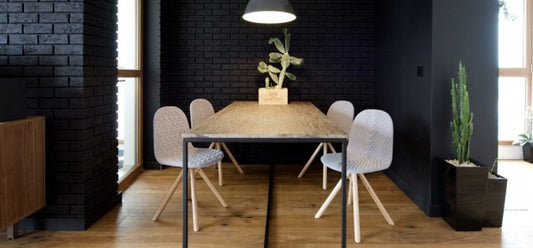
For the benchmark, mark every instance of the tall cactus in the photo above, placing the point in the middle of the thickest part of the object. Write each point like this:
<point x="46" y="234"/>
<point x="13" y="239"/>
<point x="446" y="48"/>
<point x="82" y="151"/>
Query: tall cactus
<point x="281" y="57"/>
<point x="461" y="123"/>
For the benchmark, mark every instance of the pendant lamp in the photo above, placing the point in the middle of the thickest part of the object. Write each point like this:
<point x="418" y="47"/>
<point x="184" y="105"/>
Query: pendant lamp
<point x="269" y="11"/>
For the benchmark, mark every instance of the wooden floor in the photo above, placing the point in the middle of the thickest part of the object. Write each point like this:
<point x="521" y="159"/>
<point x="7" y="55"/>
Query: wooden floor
<point x="295" y="201"/>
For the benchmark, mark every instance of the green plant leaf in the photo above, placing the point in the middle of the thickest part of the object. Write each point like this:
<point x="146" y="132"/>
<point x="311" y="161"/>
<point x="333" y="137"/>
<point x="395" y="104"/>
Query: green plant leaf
<point x="262" y="67"/>
<point x="275" y="55"/>
<point x="287" y="42"/>
<point x="523" y="139"/>
<point x="278" y="44"/>
<point x="290" y="76"/>
<point x="267" y="82"/>
<point x="274" y="61"/>
<point x="263" y="64"/>
<point x="273" y="69"/>
<point x="274" y="77"/>
<point x="524" y="136"/>
<point x="296" y="61"/>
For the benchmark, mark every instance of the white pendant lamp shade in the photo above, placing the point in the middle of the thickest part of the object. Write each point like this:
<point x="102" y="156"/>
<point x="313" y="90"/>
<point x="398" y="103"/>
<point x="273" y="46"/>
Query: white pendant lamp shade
<point x="269" y="11"/>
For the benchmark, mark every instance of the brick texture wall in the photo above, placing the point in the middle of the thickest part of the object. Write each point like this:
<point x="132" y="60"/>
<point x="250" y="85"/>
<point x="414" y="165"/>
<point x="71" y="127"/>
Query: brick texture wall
<point x="65" y="53"/>
<point x="208" y="51"/>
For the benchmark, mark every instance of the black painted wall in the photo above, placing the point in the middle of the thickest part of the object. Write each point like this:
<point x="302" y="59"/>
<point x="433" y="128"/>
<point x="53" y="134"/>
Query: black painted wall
<point x="404" y="44"/>
<point x="151" y="77"/>
<point x="208" y="51"/>
<point x="65" y="53"/>
<point x="433" y="36"/>
<point x="12" y="99"/>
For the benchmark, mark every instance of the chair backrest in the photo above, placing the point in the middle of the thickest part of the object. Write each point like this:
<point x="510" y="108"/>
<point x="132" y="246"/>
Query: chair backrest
<point x="169" y="123"/>
<point x="341" y="112"/>
<point x="200" y="109"/>
<point x="370" y="141"/>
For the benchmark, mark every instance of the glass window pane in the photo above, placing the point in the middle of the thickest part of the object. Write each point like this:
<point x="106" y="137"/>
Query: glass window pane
<point x="127" y="123"/>
<point x="127" y="35"/>
<point x="511" y="28"/>
<point x="511" y="107"/>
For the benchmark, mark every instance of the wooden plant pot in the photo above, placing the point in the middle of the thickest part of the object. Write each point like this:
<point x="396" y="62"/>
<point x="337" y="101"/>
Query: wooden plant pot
<point x="494" y="205"/>
<point x="269" y="96"/>
<point x="465" y="190"/>
<point x="527" y="151"/>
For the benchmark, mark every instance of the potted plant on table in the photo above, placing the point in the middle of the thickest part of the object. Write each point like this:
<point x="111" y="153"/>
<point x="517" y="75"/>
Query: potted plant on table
<point x="465" y="182"/>
<point x="273" y="93"/>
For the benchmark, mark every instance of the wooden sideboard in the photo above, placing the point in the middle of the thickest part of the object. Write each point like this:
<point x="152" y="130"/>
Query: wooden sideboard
<point x="22" y="170"/>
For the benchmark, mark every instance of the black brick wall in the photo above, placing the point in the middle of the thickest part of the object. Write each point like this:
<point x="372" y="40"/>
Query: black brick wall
<point x="65" y="53"/>
<point x="208" y="51"/>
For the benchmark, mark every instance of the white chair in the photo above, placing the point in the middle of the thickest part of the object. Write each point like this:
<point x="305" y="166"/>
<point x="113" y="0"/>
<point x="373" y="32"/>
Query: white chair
<point x="169" y="123"/>
<point x="200" y="110"/>
<point x="341" y="112"/>
<point x="369" y="150"/>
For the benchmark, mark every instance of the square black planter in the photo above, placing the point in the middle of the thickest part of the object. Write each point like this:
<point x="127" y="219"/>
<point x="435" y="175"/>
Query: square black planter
<point x="527" y="149"/>
<point x="495" y="203"/>
<point x="465" y="191"/>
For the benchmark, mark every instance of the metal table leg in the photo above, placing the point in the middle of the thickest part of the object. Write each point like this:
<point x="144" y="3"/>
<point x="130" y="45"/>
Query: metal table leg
<point x="343" y="192"/>
<point x="184" y="202"/>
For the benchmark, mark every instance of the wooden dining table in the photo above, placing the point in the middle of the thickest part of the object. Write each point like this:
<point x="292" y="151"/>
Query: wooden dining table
<point x="247" y="121"/>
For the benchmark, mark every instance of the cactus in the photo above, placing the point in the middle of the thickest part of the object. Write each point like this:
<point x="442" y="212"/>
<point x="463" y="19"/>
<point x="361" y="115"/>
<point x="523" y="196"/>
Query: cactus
<point x="461" y="123"/>
<point x="282" y="57"/>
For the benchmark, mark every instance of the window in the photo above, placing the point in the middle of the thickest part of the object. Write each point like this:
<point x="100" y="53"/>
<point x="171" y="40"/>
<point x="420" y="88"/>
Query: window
<point x="515" y="69"/>
<point x="129" y="91"/>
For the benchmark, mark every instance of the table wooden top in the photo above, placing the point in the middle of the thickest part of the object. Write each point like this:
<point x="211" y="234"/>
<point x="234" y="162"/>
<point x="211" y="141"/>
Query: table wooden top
<point x="248" y="119"/>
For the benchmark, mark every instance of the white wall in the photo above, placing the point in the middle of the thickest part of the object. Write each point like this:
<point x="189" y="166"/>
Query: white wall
<point x="510" y="152"/>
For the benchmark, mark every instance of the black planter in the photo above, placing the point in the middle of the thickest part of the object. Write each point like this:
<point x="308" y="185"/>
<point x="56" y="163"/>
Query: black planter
<point x="494" y="205"/>
<point x="465" y="191"/>
<point x="527" y="149"/>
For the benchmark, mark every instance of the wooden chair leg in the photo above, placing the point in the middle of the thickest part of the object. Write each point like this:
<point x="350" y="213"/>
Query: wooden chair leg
<point x="329" y="199"/>
<point x="331" y="148"/>
<point x="356" y="224"/>
<point x="220" y="176"/>
<point x="167" y="197"/>
<point x="302" y="172"/>
<point x="212" y="188"/>
<point x="211" y="146"/>
<point x="376" y="200"/>
<point x="230" y="155"/>
<point x="325" y="169"/>
<point x="350" y="198"/>
<point x="194" y="204"/>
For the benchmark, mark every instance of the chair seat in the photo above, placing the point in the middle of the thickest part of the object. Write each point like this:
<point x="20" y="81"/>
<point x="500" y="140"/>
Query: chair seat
<point x="367" y="165"/>
<point x="198" y="158"/>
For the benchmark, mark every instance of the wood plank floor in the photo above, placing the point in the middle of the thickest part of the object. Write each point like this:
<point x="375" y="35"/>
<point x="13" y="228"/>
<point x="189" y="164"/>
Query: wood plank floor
<point x="295" y="201"/>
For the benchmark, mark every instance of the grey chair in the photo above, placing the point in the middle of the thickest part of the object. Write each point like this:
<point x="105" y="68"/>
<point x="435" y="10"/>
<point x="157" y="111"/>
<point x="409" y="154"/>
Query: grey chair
<point x="341" y="112"/>
<point x="169" y="123"/>
<point x="369" y="150"/>
<point x="200" y="110"/>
